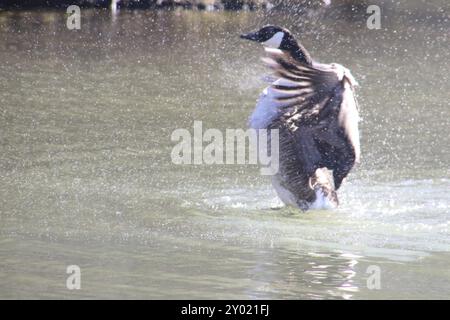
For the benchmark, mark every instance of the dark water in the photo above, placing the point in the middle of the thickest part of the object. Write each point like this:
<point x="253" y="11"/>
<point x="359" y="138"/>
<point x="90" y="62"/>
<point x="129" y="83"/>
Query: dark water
<point x="86" y="176"/>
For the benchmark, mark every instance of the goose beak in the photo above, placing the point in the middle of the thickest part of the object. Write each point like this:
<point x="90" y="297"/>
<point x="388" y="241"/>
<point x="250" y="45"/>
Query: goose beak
<point x="253" y="36"/>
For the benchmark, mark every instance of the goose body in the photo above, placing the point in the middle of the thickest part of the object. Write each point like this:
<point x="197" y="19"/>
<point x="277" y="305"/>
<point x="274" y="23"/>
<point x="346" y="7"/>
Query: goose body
<point x="313" y="107"/>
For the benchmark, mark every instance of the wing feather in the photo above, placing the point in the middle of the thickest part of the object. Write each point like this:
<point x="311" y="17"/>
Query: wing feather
<point x="317" y="97"/>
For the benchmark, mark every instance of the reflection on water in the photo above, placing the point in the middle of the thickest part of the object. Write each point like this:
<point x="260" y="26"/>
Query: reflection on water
<point x="86" y="176"/>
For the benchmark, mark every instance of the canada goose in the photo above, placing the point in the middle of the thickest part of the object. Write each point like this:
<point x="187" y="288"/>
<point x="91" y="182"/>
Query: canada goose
<point x="314" y="108"/>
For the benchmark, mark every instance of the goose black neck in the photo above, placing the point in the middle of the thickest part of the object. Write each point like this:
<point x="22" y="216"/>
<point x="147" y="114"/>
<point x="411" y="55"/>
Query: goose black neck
<point x="297" y="51"/>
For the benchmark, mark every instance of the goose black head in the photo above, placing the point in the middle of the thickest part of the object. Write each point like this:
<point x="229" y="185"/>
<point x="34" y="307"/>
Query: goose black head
<point x="269" y="36"/>
<point x="279" y="38"/>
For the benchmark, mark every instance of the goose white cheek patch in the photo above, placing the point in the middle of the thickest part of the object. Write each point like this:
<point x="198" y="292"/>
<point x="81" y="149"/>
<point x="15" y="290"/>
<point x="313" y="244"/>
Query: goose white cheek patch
<point x="275" y="41"/>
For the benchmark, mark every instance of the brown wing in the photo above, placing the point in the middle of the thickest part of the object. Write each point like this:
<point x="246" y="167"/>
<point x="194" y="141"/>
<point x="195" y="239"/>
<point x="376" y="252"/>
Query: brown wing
<point x="320" y="111"/>
<point x="303" y="87"/>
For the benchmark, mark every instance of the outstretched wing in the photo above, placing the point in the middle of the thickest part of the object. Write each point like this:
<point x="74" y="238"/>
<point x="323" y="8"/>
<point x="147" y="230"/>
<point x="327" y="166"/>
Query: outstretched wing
<point x="321" y="111"/>
<point x="303" y="86"/>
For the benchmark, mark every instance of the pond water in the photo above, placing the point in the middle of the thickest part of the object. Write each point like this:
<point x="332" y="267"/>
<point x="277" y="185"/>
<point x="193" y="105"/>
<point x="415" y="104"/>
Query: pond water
<point x="86" y="176"/>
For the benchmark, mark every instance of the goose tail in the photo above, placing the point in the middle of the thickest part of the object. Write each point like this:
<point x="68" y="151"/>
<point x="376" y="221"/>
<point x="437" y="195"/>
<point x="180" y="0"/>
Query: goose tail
<point x="323" y="185"/>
